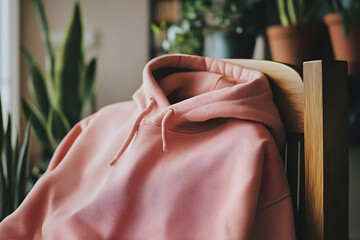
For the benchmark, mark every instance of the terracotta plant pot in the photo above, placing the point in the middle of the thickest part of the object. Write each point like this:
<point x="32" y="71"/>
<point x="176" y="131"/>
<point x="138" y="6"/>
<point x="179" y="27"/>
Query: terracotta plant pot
<point x="292" y="45"/>
<point x="346" y="49"/>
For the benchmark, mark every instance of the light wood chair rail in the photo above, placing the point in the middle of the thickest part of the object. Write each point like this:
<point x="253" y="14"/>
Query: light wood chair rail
<point x="314" y="109"/>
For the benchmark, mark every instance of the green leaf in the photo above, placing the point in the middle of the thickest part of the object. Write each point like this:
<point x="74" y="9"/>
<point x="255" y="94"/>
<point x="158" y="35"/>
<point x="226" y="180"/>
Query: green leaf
<point x="38" y="84"/>
<point x="70" y="69"/>
<point x="345" y="22"/>
<point x="45" y="29"/>
<point x="8" y="149"/>
<point x="156" y="30"/>
<point x="282" y="13"/>
<point x="38" y="123"/>
<point x="1" y="127"/>
<point x="89" y="82"/>
<point x="4" y="183"/>
<point x="292" y="13"/>
<point x="10" y="163"/>
<point x="16" y="152"/>
<point x="3" y="168"/>
<point x="58" y="125"/>
<point x="15" y="157"/>
<point x="163" y="25"/>
<point x="21" y="168"/>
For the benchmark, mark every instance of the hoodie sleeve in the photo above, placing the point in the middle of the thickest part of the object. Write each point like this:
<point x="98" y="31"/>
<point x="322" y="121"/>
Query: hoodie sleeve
<point x="67" y="142"/>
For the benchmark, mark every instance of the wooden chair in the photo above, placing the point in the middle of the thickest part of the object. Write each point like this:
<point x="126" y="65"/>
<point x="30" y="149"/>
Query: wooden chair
<point x="314" y="109"/>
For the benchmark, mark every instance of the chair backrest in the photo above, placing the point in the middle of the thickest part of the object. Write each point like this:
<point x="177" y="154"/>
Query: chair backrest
<point x="314" y="109"/>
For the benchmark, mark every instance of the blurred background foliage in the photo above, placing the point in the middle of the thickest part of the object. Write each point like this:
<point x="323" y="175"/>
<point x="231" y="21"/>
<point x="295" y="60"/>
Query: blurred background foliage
<point x="66" y="92"/>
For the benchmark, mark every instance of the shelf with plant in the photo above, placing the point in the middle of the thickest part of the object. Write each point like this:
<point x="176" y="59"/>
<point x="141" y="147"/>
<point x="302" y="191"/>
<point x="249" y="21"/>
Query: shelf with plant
<point x="184" y="36"/>
<point x="343" y="23"/>
<point x="67" y="92"/>
<point x="349" y="14"/>
<point x="296" y="12"/>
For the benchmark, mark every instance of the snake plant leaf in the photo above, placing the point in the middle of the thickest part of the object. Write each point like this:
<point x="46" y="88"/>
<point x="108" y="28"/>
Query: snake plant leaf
<point x="292" y="12"/>
<point x="9" y="160"/>
<point x="1" y="127"/>
<point x="58" y="125"/>
<point x="89" y="82"/>
<point x="16" y="153"/>
<point x="21" y="167"/>
<point x="282" y="13"/>
<point x="15" y="158"/>
<point x="45" y="29"/>
<point x="70" y="69"/>
<point x="8" y="148"/>
<point x="38" y="84"/>
<point x="38" y="123"/>
<point x="3" y="185"/>
<point x="3" y="165"/>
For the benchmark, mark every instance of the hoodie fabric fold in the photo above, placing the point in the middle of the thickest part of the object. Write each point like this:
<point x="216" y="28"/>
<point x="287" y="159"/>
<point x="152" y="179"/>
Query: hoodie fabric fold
<point x="195" y="155"/>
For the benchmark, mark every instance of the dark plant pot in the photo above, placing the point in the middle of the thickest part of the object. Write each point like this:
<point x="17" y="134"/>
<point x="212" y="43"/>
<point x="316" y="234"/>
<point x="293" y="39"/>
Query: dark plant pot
<point x="345" y="48"/>
<point x="229" y="45"/>
<point x="292" y="45"/>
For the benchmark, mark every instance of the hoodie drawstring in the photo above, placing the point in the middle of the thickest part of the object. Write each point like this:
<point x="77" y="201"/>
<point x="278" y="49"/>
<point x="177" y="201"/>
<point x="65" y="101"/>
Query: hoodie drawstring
<point x="133" y="131"/>
<point x="163" y="128"/>
<point x="136" y="125"/>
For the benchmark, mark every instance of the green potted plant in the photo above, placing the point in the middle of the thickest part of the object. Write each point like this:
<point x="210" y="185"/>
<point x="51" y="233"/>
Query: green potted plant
<point x="294" y="40"/>
<point x="343" y="23"/>
<point x="231" y="27"/>
<point x="185" y="36"/>
<point x="66" y="93"/>
<point x="13" y="167"/>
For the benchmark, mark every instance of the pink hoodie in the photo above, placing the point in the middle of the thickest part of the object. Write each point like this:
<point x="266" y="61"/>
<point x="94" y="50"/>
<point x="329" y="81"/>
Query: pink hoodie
<point x="194" y="156"/>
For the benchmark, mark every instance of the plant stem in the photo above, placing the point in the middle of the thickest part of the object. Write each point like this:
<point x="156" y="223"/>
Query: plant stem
<point x="282" y="13"/>
<point x="292" y="12"/>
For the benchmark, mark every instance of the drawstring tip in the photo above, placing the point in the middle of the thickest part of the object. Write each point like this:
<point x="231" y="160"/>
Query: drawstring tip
<point x="163" y="129"/>
<point x="113" y="162"/>
<point x="165" y="147"/>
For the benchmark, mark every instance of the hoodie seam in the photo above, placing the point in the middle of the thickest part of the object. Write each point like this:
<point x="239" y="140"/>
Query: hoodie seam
<point x="188" y="134"/>
<point x="283" y="197"/>
<point x="233" y="66"/>
<point x="216" y="83"/>
<point x="223" y="73"/>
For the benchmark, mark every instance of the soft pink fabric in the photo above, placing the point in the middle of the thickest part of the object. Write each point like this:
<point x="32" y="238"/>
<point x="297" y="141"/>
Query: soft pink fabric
<point x="203" y="166"/>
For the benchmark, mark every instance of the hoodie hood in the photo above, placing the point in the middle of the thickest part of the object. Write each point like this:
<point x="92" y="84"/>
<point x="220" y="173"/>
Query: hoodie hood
<point x="188" y="88"/>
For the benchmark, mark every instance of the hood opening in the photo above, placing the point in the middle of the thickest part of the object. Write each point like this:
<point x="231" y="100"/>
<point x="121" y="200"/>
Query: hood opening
<point x="180" y="86"/>
<point x="201" y="90"/>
